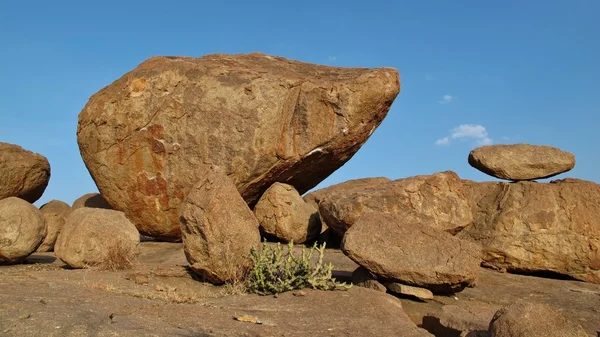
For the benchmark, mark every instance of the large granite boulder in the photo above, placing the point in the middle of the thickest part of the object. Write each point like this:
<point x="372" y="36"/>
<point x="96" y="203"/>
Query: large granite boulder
<point x="22" y="230"/>
<point x="396" y="249"/>
<point x="219" y="230"/>
<point x="528" y="319"/>
<point x="24" y="174"/>
<point x="98" y="238"/>
<point x="55" y="214"/>
<point x="521" y="161"/>
<point x="438" y="200"/>
<point x="263" y="119"/>
<point x="56" y="207"/>
<point x="282" y="213"/>
<point x="531" y="227"/>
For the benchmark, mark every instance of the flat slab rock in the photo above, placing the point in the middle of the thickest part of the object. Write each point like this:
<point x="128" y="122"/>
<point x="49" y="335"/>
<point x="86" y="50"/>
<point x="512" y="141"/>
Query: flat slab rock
<point x="263" y="119"/>
<point x="521" y="161"/>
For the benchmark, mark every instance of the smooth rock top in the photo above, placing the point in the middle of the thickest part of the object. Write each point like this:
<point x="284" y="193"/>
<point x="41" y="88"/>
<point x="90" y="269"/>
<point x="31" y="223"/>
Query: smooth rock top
<point x="528" y="319"/>
<point x="24" y="174"/>
<point x="92" y="200"/>
<point x="263" y="119"/>
<point x="56" y="207"/>
<point x="521" y="161"/>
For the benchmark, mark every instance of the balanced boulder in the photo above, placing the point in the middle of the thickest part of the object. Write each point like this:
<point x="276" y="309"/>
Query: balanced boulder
<point x="219" y="230"/>
<point x="437" y="200"/>
<point x="24" y="174"/>
<point x="521" y="161"/>
<point x="282" y="213"/>
<point x="399" y="250"/>
<point x="531" y="227"/>
<point x="525" y="319"/>
<point x="22" y="230"/>
<point x="98" y="238"/>
<point x="263" y="119"/>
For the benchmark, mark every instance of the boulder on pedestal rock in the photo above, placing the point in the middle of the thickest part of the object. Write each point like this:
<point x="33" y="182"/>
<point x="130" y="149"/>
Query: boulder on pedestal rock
<point x="438" y="200"/>
<point x="399" y="250"/>
<point x="263" y="119"/>
<point x="219" y="230"/>
<point x="524" y="319"/>
<point x="521" y="161"/>
<point x="92" y="200"/>
<point x="24" y="174"/>
<point x="282" y="213"/>
<point x="530" y="227"/>
<point x="22" y="230"/>
<point x="98" y="238"/>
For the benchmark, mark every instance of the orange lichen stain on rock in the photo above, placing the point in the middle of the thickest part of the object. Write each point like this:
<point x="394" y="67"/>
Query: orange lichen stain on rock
<point x="157" y="131"/>
<point x="137" y="86"/>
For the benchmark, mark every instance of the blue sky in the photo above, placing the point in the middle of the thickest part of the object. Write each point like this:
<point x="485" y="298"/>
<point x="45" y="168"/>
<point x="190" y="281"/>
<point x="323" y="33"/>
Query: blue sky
<point x="472" y="71"/>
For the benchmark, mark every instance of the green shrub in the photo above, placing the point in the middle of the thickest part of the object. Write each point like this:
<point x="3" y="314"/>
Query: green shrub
<point x="275" y="272"/>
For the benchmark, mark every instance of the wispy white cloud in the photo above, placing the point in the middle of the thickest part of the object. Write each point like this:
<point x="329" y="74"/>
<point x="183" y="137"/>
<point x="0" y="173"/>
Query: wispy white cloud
<point x="332" y="58"/>
<point x="467" y="131"/>
<point x="446" y="99"/>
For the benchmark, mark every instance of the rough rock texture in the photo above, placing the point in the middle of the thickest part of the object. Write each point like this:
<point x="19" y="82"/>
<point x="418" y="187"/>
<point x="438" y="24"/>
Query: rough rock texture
<point x="54" y="224"/>
<point x="438" y="200"/>
<point x="93" y="200"/>
<point x="470" y="319"/>
<point x="92" y="236"/>
<point x="219" y="230"/>
<point x="24" y="174"/>
<point x="521" y="161"/>
<point x="283" y="213"/>
<point x="56" y="207"/>
<point x="403" y="289"/>
<point x="396" y="249"/>
<point x="532" y="227"/>
<point x="527" y="319"/>
<point x="263" y="119"/>
<point x="363" y="278"/>
<point x="22" y="229"/>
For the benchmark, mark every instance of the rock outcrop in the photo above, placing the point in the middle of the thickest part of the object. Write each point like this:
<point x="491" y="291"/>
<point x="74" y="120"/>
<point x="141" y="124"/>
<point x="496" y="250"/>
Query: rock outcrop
<point x="521" y="161"/>
<point x="263" y="119"/>
<point x="531" y="227"/>
<point x="397" y="249"/>
<point x="437" y="200"/>
<point x="282" y="213"/>
<point x="219" y="230"/>
<point x="54" y="224"/>
<point x="97" y="238"/>
<point x="22" y="230"/>
<point x="24" y="174"/>
<point x="527" y="319"/>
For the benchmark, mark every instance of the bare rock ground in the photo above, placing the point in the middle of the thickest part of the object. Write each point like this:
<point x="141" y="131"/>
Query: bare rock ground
<point x="160" y="297"/>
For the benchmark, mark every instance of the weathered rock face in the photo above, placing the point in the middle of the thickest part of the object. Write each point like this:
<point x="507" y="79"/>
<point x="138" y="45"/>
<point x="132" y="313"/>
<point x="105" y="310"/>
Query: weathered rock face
<point x="521" y="161"/>
<point x="54" y="224"/>
<point x="526" y="319"/>
<point x="263" y="119"/>
<point x="437" y="200"/>
<point x="24" y="174"/>
<point x="396" y="249"/>
<point x="22" y="230"/>
<point x="219" y="230"/>
<point x="56" y="207"/>
<point x="283" y="213"/>
<point x="92" y="200"/>
<point x="533" y="227"/>
<point x="96" y="237"/>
